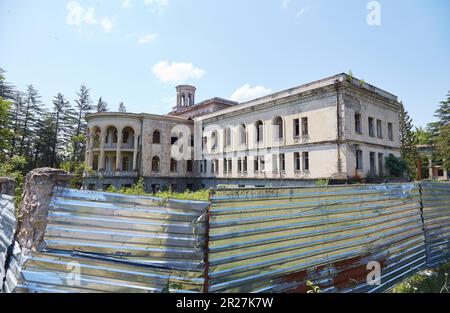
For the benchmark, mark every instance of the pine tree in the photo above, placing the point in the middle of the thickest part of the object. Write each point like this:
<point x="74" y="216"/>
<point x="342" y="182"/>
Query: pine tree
<point x="31" y="113"/>
<point x="83" y="106"/>
<point x="44" y="141"/>
<point x="64" y="117"/>
<point x="6" y="89"/>
<point x="408" y="142"/>
<point x="102" y="106"/>
<point x="122" y="108"/>
<point x="5" y="131"/>
<point x="16" y="121"/>
<point x="442" y="132"/>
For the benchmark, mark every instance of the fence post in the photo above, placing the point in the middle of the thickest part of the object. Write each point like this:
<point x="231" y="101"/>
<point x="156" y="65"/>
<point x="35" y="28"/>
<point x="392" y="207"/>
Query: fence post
<point x="208" y="218"/>
<point x="422" y="216"/>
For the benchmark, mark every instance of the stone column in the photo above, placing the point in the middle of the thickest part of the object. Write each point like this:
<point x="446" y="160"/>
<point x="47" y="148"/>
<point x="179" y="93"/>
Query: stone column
<point x="90" y="150"/>
<point x="119" y="150"/>
<point x="135" y="152"/>
<point x="102" y="151"/>
<point x="430" y="167"/>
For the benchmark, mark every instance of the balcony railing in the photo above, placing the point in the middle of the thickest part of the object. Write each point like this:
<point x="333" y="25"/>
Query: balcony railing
<point x="100" y="174"/>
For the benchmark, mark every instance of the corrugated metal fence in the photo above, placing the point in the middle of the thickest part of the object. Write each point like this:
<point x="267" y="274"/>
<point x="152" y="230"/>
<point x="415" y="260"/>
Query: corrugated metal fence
<point x="7" y="228"/>
<point x="436" y="213"/>
<point x="249" y="240"/>
<point x="275" y="240"/>
<point x="104" y="242"/>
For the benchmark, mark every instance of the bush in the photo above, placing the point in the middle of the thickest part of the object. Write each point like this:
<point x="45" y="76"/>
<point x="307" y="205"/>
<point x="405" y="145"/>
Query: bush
<point x="396" y="166"/>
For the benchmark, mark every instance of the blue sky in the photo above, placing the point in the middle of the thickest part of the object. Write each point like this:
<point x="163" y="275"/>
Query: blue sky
<point x="136" y="51"/>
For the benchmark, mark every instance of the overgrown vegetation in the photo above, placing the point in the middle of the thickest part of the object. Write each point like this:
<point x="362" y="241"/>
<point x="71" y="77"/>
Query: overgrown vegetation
<point x="396" y="166"/>
<point x="434" y="281"/>
<point x="139" y="189"/>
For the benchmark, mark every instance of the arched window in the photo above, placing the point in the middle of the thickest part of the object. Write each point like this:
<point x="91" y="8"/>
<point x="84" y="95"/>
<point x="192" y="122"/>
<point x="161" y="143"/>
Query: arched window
<point x="227" y="136"/>
<point x="214" y="140"/>
<point x="278" y="128"/>
<point x="155" y="164"/>
<point x="259" y="131"/>
<point x="126" y="136"/>
<point x="156" y="137"/>
<point x="173" y="165"/>
<point x="243" y="134"/>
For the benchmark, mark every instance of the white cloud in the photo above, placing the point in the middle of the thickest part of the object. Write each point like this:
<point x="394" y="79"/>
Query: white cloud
<point x="126" y="4"/>
<point x="285" y="4"/>
<point x="246" y="93"/>
<point x="176" y="73"/>
<point x="79" y="16"/>
<point x="144" y="39"/>
<point x="107" y="24"/>
<point x="157" y="3"/>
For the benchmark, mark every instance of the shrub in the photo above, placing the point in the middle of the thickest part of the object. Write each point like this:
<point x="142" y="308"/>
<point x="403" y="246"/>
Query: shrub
<point x="396" y="166"/>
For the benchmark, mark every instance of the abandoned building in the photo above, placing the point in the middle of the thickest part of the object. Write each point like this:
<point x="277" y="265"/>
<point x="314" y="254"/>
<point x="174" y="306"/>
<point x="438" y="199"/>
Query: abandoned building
<point x="338" y="127"/>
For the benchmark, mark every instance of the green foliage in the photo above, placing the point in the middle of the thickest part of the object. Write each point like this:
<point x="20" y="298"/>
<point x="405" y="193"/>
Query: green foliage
<point x="5" y="132"/>
<point x="200" y="195"/>
<point x="322" y="182"/>
<point x="434" y="281"/>
<point x="408" y="144"/>
<point x="139" y="189"/>
<point x="424" y="136"/>
<point x="396" y="166"/>
<point x="443" y="146"/>
<point x="15" y="168"/>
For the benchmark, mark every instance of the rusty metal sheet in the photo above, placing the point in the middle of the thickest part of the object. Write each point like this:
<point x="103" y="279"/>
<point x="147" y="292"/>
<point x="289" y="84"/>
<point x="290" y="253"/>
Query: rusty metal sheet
<point x="436" y="214"/>
<point x="8" y="225"/>
<point x="117" y="243"/>
<point x="275" y="240"/>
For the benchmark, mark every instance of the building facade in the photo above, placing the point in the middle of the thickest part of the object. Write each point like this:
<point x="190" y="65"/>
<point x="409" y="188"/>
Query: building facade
<point x="335" y="128"/>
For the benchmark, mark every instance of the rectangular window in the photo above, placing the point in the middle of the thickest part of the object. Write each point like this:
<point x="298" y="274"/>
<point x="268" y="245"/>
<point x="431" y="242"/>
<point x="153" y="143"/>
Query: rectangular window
<point x="204" y="142"/>
<point x="225" y="164"/>
<point x="244" y="166"/>
<point x="239" y="165"/>
<point x="230" y="166"/>
<point x="213" y="166"/>
<point x="275" y="162"/>
<point x="296" y="127"/>
<point x="371" y="129"/>
<point x="189" y="166"/>
<point x="297" y="161"/>
<point x="372" y="164"/>
<point x="262" y="163"/>
<point x="359" y="159"/>
<point x="305" y="131"/>
<point x="205" y="166"/>
<point x="380" y="164"/>
<point x="306" y="161"/>
<point x="192" y="140"/>
<point x="282" y="162"/>
<point x="379" y="129"/>
<point x="216" y="166"/>
<point x="256" y="164"/>
<point x="358" y="123"/>
<point x="390" y="132"/>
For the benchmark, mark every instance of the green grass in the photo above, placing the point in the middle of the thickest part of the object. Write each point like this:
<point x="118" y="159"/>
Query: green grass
<point x="434" y="281"/>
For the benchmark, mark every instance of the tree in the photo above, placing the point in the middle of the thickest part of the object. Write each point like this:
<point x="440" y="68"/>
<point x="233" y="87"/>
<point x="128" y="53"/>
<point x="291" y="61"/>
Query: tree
<point x="44" y="141"/>
<point x="102" y="106"/>
<point x="64" y="117"/>
<point x="31" y="113"/>
<point x="424" y="136"/>
<point x="83" y="106"/>
<point x="443" y="146"/>
<point x="408" y="143"/>
<point x="122" y="108"/>
<point x="5" y="131"/>
<point x="396" y="166"/>
<point x="441" y="130"/>
<point x="6" y="89"/>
